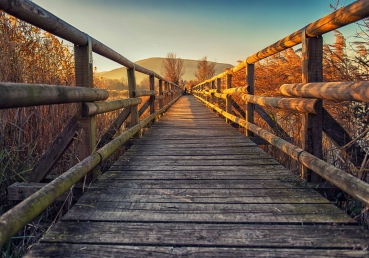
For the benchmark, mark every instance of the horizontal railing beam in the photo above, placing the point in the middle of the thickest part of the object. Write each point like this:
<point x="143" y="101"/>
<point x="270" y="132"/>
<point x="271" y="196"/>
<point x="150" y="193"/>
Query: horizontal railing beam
<point x="143" y="93"/>
<point x="336" y="91"/>
<point x="14" y="95"/>
<point x="94" y="108"/>
<point x="244" y="89"/>
<point x="295" y="104"/>
<point x="220" y="95"/>
<point x="157" y="97"/>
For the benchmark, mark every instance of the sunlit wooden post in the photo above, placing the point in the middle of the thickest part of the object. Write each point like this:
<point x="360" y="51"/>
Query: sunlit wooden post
<point x="87" y="125"/>
<point x="166" y="94"/>
<point x="312" y="125"/>
<point x="229" y="98"/>
<point x="131" y="88"/>
<point x="250" y="68"/>
<point x="212" y="87"/>
<point x="219" y="85"/>
<point x="160" y="93"/>
<point x="152" y="98"/>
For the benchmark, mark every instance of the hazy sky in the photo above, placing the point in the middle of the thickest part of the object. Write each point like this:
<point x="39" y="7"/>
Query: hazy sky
<point x="224" y="31"/>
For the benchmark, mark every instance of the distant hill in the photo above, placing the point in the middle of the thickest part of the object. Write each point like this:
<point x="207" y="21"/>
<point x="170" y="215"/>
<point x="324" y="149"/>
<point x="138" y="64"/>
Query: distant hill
<point x="155" y="64"/>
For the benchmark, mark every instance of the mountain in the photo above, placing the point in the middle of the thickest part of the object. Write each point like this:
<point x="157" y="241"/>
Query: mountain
<point x="155" y="64"/>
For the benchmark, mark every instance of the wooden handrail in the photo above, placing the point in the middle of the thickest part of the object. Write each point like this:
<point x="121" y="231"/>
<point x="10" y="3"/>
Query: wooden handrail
<point x="336" y="91"/>
<point x="143" y="93"/>
<point x="295" y="104"/>
<point x="25" y="95"/>
<point x="94" y="108"/>
<point x="244" y="89"/>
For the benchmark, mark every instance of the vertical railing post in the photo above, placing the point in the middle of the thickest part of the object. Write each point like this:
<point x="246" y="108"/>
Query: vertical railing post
<point x="171" y="93"/>
<point x="212" y="87"/>
<point x="131" y="88"/>
<point x="312" y="125"/>
<point x="87" y="125"/>
<point x="250" y="80"/>
<point x="166" y="95"/>
<point x="229" y="98"/>
<point x="152" y="98"/>
<point x="219" y="85"/>
<point x="160" y="94"/>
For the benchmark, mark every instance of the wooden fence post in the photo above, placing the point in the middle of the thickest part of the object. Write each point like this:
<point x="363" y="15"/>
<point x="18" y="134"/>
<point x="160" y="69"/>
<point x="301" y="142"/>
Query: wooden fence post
<point x="212" y="87"/>
<point x="131" y="88"/>
<point x="171" y="93"/>
<point x="250" y="68"/>
<point x="219" y="85"/>
<point x="160" y="94"/>
<point x="152" y="98"/>
<point x="229" y="97"/>
<point x="166" y="95"/>
<point x="312" y="125"/>
<point x="87" y="125"/>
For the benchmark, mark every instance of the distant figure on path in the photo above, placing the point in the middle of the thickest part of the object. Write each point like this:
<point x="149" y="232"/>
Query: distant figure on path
<point x="185" y="91"/>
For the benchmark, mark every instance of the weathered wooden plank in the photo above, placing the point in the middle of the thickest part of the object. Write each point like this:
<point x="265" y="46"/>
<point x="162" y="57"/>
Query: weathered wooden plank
<point x="154" y="156"/>
<point x="278" y="236"/>
<point x="180" y="162"/>
<point x="214" y="212"/>
<point x="196" y="144"/>
<point x="94" y="250"/>
<point x="245" y="196"/>
<point x="193" y="175"/>
<point x="196" y="184"/>
<point x="199" y="151"/>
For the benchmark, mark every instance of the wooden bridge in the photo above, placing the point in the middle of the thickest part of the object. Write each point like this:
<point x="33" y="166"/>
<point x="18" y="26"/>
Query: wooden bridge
<point x="195" y="186"/>
<point x="192" y="185"/>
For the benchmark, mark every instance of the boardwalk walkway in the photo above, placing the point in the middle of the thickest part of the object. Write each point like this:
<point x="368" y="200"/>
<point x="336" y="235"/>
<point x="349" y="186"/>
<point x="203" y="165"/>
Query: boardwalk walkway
<point x="194" y="186"/>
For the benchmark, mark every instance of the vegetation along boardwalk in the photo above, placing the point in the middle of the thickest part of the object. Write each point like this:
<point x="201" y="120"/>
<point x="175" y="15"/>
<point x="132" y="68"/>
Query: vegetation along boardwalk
<point x="194" y="186"/>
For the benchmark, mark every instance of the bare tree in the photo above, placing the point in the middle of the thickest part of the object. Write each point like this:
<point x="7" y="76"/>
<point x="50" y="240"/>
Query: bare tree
<point x="172" y="68"/>
<point x="205" y="69"/>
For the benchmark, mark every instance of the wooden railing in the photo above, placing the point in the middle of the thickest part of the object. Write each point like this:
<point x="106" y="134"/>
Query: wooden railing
<point x="91" y="102"/>
<point x="307" y="98"/>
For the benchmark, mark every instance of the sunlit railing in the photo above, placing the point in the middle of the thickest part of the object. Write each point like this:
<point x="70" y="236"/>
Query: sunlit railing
<point x="91" y="153"/>
<point x="305" y="97"/>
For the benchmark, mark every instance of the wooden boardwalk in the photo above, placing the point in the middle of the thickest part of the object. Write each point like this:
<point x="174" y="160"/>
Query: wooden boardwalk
<point x="194" y="186"/>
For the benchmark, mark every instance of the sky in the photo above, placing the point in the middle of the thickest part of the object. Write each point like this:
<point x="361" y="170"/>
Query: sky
<point x="224" y="31"/>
